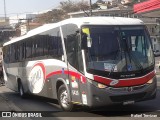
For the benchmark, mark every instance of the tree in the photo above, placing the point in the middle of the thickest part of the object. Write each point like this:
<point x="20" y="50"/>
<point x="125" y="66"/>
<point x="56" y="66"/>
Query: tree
<point x="54" y="15"/>
<point x="65" y="7"/>
<point x="95" y="6"/>
<point x="72" y="6"/>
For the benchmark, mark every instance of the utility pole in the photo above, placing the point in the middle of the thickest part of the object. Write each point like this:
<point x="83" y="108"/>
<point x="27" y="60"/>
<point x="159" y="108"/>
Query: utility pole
<point x="90" y="4"/>
<point x="5" y="9"/>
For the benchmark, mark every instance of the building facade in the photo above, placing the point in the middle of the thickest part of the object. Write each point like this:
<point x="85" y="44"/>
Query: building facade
<point x="151" y="9"/>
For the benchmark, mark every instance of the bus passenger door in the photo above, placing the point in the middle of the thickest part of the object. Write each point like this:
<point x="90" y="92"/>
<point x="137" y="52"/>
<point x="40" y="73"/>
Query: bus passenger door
<point x="73" y="67"/>
<point x="71" y="36"/>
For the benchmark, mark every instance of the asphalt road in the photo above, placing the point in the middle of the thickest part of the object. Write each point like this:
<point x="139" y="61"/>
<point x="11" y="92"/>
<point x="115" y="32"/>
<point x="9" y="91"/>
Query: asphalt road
<point x="50" y="108"/>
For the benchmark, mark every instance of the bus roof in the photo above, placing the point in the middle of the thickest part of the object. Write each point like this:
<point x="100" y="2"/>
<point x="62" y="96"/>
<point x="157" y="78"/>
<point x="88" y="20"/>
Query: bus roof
<point x="103" y="21"/>
<point x="79" y="22"/>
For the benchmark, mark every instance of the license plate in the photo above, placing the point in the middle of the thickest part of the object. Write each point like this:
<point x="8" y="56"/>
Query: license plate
<point x="128" y="102"/>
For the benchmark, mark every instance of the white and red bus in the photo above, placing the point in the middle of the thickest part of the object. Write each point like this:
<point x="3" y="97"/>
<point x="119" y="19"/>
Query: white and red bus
<point x="90" y="61"/>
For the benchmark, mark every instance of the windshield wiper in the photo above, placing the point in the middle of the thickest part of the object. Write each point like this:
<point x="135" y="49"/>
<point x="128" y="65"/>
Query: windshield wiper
<point x="131" y="56"/>
<point x="137" y="63"/>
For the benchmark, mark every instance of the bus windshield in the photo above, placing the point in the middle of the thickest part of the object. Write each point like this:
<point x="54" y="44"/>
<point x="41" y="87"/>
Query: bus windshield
<point x="118" y="48"/>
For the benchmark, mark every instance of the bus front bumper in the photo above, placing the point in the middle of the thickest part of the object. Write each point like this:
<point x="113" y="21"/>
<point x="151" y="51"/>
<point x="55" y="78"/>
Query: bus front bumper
<point x="124" y="95"/>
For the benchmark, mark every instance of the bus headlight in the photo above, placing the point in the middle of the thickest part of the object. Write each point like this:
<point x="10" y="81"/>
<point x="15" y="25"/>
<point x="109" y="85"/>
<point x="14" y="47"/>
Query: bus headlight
<point x="101" y="86"/>
<point x="150" y="81"/>
<point x="96" y="84"/>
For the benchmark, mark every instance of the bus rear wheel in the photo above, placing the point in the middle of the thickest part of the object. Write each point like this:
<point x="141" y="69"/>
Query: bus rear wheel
<point x="63" y="98"/>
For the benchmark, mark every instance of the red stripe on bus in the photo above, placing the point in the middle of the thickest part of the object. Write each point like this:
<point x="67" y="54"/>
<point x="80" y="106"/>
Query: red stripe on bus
<point x="126" y="82"/>
<point x="53" y="73"/>
<point x="71" y="73"/>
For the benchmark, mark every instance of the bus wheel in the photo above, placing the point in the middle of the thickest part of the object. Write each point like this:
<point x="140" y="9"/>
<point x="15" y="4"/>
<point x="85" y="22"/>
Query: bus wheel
<point x="63" y="96"/>
<point x="21" y="90"/>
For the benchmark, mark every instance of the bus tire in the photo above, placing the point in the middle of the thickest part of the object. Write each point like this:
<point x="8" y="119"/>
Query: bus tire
<point x="21" y="91"/>
<point x="63" y="99"/>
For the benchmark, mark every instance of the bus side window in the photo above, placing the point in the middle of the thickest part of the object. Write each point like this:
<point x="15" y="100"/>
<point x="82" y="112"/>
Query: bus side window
<point x="8" y="54"/>
<point x="33" y="47"/>
<point x="41" y="44"/>
<point x="23" y="50"/>
<point x="59" y="47"/>
<point x="53" y="44"/>
<point x="45" y="48"/>
<point x="72" y="45"/>
<point x="28" y="49"/>
<point x="16" y="52"/>
<point x="12" y="53"/>
<point x="20" y="51"/>
<point x="38" y="45"/>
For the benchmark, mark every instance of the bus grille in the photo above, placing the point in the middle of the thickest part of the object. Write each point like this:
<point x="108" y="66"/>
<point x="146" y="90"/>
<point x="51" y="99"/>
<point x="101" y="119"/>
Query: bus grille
<point x="123" y="98"/>
<point x="125" y="89"/>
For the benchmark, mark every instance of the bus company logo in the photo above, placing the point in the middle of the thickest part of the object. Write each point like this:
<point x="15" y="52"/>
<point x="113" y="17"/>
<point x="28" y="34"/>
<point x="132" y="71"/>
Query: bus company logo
<point x="36" y="78"/>
<point x="130" y="89"/>
<point x="114" y="82"/>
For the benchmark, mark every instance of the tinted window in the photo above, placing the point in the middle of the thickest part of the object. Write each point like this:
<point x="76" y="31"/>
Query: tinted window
<point x="70" y="35"/>
<point x="53" y="43"/>
<point x="45" y="45"/>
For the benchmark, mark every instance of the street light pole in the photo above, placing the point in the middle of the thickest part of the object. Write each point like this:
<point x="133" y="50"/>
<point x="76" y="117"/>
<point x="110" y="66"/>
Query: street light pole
<point x="5" y="10"/>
